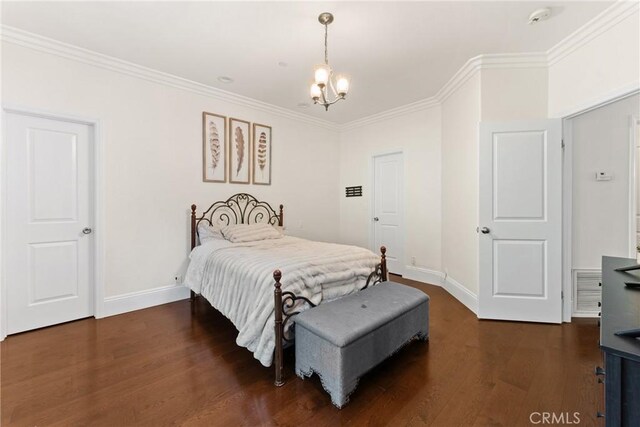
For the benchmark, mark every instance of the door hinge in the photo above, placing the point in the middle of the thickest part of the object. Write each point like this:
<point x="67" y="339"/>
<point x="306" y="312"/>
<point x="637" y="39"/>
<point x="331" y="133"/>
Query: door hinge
<point x="562" y="144"/>
<point x="561" y="294"/>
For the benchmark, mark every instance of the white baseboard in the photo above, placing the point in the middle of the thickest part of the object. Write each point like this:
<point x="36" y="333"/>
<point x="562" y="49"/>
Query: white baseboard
<point x="424" y="275"/>
<point x="132" y="301"/>
<point x="124" y="303"/>
<point x="461" y="293"/>
<point x="438" y="278"/>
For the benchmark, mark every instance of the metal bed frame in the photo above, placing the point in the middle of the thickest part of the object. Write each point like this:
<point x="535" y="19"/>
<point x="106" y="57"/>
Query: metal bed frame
<point x="243" y="208"/>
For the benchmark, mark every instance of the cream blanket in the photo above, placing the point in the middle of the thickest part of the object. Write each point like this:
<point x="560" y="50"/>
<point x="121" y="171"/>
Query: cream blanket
<point x="237" y="279"/>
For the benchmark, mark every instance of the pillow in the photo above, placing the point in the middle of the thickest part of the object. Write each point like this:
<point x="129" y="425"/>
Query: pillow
<point x="208" y="232"/>
<point x="239" y="233"/>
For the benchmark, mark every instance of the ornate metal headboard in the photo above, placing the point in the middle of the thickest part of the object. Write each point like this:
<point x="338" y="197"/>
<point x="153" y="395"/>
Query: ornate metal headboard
<point x="241" y="208"/>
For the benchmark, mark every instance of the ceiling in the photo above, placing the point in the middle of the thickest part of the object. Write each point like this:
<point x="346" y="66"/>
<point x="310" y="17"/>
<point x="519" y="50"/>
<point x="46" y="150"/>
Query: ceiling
<point x="395" y="52"/>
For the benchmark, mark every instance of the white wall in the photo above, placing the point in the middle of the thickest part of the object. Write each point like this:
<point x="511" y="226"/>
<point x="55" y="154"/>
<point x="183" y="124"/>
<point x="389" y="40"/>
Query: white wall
<point x="460" y="118"/>
<point x="513" y="93"/>
<point x="417" y="135"/>
<point x="153" y="164"/>
<point x="492" y="94"/>
<point x="601" y="142"/>
<point x="606" y="64"/>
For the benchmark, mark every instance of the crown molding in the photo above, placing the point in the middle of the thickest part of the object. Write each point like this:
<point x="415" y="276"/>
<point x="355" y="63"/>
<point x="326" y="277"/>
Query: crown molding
<point x="606" y="20"/>
<point x="468" y="70"/>
<point x="514" y="60"/>
<point x="423" y="104"/>
<point x="490" y="61"/>
<point x="76" y="53"/>
<point x="601" y="23"/>
<point x="459" y="78"/>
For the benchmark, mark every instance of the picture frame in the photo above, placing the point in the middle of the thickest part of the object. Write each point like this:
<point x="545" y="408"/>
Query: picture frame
<point x="214" y="147"/>
<point x="239" y="151"/>
<point x="262" y="146"/>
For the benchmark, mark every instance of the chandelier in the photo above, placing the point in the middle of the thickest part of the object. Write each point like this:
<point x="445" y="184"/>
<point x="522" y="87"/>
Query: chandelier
<point x="323" y="75"/>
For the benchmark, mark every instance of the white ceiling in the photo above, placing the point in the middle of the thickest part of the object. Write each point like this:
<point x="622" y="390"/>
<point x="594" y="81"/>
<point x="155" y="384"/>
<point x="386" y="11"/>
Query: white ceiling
<point x="395" y="52"/>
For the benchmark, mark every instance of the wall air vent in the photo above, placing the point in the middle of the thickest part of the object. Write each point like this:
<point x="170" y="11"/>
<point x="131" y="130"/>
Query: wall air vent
<point x="354" y="191"/>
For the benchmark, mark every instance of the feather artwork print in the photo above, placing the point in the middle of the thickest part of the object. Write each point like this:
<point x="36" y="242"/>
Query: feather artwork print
<point x="239" y="148"/>
<point x="214" y="145"/>
<point x="262" y="151"/>
<point x="261" y="145"/>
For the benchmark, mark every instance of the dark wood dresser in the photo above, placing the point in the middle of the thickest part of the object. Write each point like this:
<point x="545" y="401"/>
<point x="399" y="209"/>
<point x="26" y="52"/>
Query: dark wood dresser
<point x="621" y="372"/>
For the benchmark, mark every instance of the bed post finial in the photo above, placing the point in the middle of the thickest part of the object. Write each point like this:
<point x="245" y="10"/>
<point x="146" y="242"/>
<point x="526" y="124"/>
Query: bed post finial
<point x="281" y="216"/>
<point x="383" y="263"/>
<point x="277" y="297"/>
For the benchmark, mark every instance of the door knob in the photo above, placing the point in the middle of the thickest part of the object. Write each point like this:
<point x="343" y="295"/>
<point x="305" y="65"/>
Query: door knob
<point x="376" y="218"/>
<point x="86" y="230"/>
<point x="484" y="230"/>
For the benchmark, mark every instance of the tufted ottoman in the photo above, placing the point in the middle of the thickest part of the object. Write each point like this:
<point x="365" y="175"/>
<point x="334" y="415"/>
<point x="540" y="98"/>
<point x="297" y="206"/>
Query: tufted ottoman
<point x="341" y="340"/>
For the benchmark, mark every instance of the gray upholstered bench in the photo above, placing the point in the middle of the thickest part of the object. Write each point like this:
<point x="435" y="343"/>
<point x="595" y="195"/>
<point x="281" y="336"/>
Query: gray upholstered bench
<point x="342" y="339"/>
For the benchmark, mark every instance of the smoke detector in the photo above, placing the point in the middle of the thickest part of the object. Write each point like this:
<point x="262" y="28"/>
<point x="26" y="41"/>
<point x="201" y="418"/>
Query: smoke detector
<point x="539" y="15"/>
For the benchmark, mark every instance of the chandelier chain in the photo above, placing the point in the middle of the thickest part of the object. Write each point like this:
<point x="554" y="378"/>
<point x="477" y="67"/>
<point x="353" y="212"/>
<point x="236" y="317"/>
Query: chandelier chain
<point x="326" y="49"/>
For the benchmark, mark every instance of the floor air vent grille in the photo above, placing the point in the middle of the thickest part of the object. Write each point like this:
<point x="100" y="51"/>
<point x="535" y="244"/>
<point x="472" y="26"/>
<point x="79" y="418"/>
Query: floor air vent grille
<point x="586" y="293"/>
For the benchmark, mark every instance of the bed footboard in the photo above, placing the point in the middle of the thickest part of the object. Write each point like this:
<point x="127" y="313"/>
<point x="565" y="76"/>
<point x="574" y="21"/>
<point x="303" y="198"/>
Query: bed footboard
<point x="284" y="303"/>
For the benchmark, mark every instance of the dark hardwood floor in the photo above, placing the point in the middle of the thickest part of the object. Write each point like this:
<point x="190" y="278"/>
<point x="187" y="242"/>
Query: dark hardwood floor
<point x="169" y="366"/>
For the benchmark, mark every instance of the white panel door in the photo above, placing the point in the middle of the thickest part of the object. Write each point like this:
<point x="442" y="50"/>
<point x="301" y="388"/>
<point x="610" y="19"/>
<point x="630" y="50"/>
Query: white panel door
<point x="49" y="218"/>
<point x="388" y="215"/>
<point x="521" y="221"/>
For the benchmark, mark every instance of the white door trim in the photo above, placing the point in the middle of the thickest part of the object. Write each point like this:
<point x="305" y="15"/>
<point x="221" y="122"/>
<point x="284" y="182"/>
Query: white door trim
<point x="633" y="171"/>
<point x="567" y="174"/>
<point x="98" y="205"/>
<point x="601" y="101"/>
<point x="567" y="214"/>
<point x="372" y="174"/>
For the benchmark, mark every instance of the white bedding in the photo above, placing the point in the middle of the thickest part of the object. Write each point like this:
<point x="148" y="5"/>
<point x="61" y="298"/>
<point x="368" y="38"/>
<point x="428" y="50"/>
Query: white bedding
<point x="237" y="279"/>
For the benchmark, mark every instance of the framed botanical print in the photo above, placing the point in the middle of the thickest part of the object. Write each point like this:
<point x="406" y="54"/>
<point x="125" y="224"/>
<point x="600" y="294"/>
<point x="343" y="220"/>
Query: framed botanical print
<point x="239" y="151"/>
<point x="214" y="147"/>
<point x="261" y="154"/>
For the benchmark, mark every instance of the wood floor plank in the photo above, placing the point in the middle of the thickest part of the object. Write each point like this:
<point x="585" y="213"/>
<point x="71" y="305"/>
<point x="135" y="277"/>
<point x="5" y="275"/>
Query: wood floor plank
<point x="178" y="364"/>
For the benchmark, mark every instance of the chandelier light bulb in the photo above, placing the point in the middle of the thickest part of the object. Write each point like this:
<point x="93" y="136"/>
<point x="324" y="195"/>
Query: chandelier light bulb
<point x="315" y="92"/>
<point x="322" y="74"/>
<point x="342" y="86"/>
